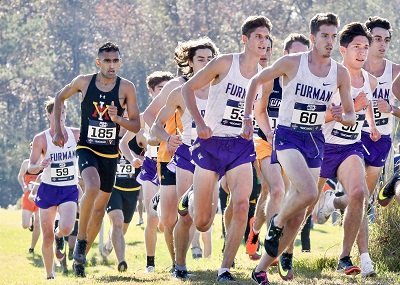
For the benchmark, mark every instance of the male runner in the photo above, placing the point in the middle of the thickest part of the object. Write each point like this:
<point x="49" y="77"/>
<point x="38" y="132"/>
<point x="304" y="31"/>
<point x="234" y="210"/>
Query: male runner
<point x="104" y="96"/>
<point x="310" y="79"/>
<point x="219" y="150"/>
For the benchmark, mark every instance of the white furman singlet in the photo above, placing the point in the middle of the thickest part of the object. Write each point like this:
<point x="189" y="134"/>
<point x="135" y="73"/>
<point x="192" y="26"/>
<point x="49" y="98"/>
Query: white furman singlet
<point x="152" y="150"/>
<point x="306" y="97"/>
<point x="225" y="105"/>
<point x="63" y="170"/>
<point x="383" y="121"/>
<point x="335" y="132"/>
<point x="189" y="133"/>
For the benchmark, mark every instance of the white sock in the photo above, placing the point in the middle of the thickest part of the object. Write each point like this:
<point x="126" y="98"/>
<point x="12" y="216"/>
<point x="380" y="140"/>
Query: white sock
<point x="364" y="257"/>
<point x="223" y="270"/>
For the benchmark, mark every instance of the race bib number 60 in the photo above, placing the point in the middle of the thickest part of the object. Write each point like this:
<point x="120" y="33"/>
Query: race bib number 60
<point x="308" y="117"/>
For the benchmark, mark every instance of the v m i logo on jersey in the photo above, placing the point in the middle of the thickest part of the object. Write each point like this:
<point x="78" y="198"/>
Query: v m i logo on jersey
<point x="100" y="111"/>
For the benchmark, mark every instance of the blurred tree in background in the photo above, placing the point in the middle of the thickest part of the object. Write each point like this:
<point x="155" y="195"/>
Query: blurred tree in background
<point x="45" y="44"/>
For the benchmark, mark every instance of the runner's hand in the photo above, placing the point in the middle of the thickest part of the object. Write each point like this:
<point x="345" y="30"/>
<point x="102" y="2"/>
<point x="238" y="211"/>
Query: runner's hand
<point x="247" y="130"/>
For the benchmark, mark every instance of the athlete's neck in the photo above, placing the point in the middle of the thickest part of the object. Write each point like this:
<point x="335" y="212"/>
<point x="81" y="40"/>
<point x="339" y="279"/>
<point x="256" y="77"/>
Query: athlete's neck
<point x="375" y="65"/>
<point x="248" y="64"/>
<point x="100" y="78"/>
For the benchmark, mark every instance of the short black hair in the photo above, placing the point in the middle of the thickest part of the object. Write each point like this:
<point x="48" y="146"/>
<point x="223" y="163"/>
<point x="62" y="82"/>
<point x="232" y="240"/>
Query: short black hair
<point x="254" y="22"/>
<point x="320" y="19"/>
<point x="290" y="39"/>
<point x="352" y="30"/>
<point x="378" y="22"/>
<point x="108" y="47"/>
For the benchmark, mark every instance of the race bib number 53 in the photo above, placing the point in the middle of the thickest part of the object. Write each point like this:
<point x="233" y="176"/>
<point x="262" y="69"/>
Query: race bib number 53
<point x="233" y="115"/>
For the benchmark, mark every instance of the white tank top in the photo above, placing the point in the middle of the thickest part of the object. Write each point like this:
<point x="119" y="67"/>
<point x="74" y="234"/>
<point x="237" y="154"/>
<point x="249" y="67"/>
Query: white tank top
<point x="225" y="105"/>
<point x="189" y="133"/>
<point x="383" y="121"/>
<point x="63" y="170"/>
<point x="306" y="97"/>
<point x="335" y="132"/>
<point x="152" y="150"/>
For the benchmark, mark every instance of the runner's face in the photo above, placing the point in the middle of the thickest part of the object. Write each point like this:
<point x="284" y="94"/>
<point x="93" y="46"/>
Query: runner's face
<point x="109" y="63"/>
<point x="298" y="47"/>
<point x="356" y="52"/>
<point x="325" y="40"/>
<point x="265" y="58"/>
<point x="380" y="42"/>
<point x="157" y="89"/>
<point x="258" y="41"/>
<point x="200" y="59"/>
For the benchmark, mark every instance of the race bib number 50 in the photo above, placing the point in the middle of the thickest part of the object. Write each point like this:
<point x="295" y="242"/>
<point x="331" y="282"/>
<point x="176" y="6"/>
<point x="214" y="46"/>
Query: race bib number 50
<point x="308" y="117"/>
<point x="101" y="133"/>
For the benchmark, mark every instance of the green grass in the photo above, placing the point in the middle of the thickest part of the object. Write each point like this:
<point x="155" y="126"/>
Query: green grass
<point x="317" y="267"/>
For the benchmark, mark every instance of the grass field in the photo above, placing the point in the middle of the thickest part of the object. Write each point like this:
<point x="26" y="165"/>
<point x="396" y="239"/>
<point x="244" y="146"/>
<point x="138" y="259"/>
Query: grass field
<point x="318" y="267"/>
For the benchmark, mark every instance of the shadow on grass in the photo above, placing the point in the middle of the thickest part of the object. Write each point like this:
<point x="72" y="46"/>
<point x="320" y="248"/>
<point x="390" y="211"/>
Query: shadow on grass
<point x="36" y="260"/>
<point x="134" y="243"/>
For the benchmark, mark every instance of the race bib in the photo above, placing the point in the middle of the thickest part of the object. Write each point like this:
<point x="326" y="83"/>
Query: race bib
<point x="308" y="117"/>
<point x="380" y="118"/>
<point x="124" y="169"/>
<point x="349" y="132"/>
<point x="233" y="115"/>
<point x="101" y="133"/>
<point x="63" y="171"/>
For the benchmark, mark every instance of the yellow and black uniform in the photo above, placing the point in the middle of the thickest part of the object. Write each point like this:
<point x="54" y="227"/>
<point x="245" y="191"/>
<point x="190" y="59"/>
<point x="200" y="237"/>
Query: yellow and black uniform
<point x="98" y="141"/>
<point x="167" y="176"/>
<point x="125" y="193"/>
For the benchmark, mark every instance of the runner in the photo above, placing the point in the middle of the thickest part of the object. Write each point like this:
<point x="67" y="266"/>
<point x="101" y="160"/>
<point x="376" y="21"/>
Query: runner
<point x="298" y="140"/>
<point x="58" y="190"/>
<point x="104" y="96"/>
<point x="219" y="150"/>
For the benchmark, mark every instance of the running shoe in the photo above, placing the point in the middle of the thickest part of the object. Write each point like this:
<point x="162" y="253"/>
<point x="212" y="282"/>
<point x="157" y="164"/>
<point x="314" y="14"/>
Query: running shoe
<point x="180" y="274"/>
<point x="271" y="243"/>
<point x="51" y="277"/>
<point x="252" y="240"/>
<point x="79" y="269"/>
<point x="80" y="251"/>
<point x="122" y="266"/>
<point x="261" y="277"/>
<point x="327" y="207"/>
<point x="183" y="205"/>
<point x="140" y="222"/>
<point x="153" y="205"/>
<point x="149" y="269"/>
<point x="387" y="192"/>
<point x="257" y="255"/>
<point x="59" y="244"/>
<point x="197" y="252"/>
<point x="225" y="277"/>
<point x="285" y="268"/>
<point x="107" y="248"/>
<point x="367" y="269"/>
<point x="346" y="266"/>
<point x="31" y="251"/>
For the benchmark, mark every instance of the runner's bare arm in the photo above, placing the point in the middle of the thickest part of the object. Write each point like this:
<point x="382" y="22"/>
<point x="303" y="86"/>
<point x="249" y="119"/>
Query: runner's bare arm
<point x="344" y="85"/>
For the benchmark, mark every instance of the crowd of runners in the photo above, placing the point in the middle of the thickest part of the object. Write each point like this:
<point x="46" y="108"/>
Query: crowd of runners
<point x="261" y="137"/>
